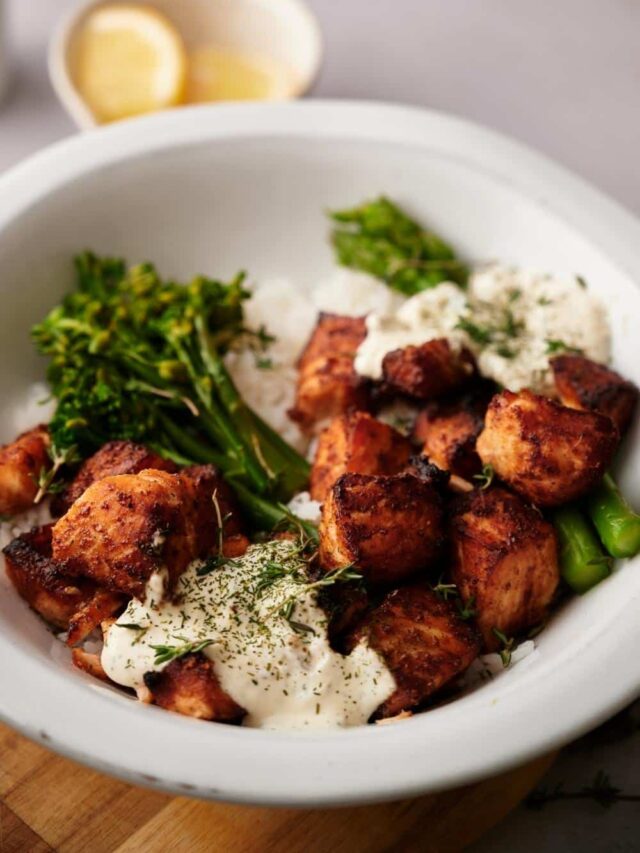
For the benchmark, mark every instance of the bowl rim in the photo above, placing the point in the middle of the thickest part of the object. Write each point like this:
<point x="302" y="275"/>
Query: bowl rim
<point x="442" y="749"/>
<point x="77" y="108"/>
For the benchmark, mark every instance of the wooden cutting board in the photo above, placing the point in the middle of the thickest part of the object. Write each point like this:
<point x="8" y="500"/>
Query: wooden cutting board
<point x="50" y="803"/>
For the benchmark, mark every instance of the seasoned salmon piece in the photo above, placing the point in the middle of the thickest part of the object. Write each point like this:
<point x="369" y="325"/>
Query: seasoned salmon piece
<point x="389" y="528"/>
<point x="189" y="686"/>
<point x="202" y="484"/>
<point x="20" y="465"/>
<point x="328" y="384"/>
<point x="356" y="443"/>
<point x="548" y="453"/>
<point x="333" y="335"/>
<point x="505" y="562"/>
<point x="448" y="430"/>
<point x="39" y="580"/>
<point x="583" y="384"/>
<point x="90" y="663"/>
<point x="423" y="641"/>
<point x="100" y="606"/>
<point x="115" y="457"/>
<point x="124" y="528"/>
<point x="429" y="370"/>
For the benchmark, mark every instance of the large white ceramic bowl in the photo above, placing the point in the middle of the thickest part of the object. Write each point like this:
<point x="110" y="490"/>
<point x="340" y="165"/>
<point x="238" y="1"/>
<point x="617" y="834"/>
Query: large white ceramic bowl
<point x="215" y="190"/>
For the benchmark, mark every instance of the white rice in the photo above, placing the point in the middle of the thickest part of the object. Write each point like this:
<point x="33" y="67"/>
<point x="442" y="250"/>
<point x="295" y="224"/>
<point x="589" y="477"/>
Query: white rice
<point x="37" y="407"/>
<point x="22" y="523"/>
<point x="490" y="666"/>
<point x="289" y="312"/>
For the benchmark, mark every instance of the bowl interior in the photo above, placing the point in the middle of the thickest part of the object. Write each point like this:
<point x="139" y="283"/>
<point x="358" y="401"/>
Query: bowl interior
<point x="217" y="206"/>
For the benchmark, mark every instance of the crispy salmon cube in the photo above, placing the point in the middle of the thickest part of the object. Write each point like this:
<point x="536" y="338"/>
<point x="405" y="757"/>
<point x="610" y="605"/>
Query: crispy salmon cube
<point x="423" y="641"/>
<point x="328" y="384"/>
<point x="505" y="561"/>
<point x="203" y="483"/>
<point x="20" y="465"/>
<point x="429" y="370"/>
<point x="124" y="528"/>
<point x="548" y="453"/>
<point x="390" y="528"/>
<point x="448" y="430"/>
<point x="333" y="334"/>
<point x="115" y="457"/>
<point x="583" y="384"/>
<point x="62" y="601"/>
<point x="356" y="443"/>
<point x="189" y="686"/>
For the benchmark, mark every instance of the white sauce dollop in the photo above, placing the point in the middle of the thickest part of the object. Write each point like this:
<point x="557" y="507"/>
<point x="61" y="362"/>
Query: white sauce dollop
<point x="530" y="317"/>
<point x="431" y="314"/>
<point x="281" y="670"/>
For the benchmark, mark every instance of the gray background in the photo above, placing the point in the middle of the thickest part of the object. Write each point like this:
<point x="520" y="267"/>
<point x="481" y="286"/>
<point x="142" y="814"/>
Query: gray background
<point x="560" y="75"/>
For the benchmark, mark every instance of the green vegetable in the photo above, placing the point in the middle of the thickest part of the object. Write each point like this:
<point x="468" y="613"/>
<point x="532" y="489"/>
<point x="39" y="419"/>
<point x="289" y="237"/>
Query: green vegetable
<point x="135" y="357"/>
<point x="165" y="654"/>
<point x="380" y="239"/>
<point x="617" y="524"/>
<point x="583" y="564"/>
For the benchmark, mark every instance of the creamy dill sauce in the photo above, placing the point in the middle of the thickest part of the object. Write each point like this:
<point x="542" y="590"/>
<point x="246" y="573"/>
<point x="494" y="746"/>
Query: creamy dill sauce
<point x="513" y="320"/>
<point x="266" y="637"/>
<point x="431" y="314"/>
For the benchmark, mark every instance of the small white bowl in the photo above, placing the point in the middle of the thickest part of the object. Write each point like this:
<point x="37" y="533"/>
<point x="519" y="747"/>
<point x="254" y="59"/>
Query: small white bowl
<point x="282" y="31"/>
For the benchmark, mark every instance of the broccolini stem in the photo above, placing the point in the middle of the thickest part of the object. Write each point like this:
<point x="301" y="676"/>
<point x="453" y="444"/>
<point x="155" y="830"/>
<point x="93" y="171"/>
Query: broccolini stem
<point x="617" y="524"/>
<point x="583" y="563"/>
<point x="192" y="447"/>
<point x="266" y="515"/>
<point x="227" y="435"/>
<point x="278" y="458"/>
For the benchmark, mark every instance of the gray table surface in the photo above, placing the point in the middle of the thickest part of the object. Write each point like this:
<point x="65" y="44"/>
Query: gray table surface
<point x="560" y="75"/>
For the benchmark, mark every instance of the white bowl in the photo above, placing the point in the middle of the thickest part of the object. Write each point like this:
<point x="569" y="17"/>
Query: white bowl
<point x="217" y="189"/>
<point x="283" y="31"/>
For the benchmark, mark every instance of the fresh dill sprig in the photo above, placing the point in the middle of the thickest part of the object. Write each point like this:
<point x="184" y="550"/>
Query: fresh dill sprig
<point x="46" y="479"/>
<point x="342" y="575"/>
<point x="286" y="611"/>
<point x="165" y="653"/>
<point x="219" y="560"/>
<point x="508" y="644"/>
<point x="272" y="573"/>
<point x="466" y="610"/>
<point x="485" y="478"/>
<point x="445" y="591"/>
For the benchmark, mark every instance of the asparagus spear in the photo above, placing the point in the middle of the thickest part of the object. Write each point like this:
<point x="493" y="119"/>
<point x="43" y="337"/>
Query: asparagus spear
<point x="617" y="524"/>
<point x="583" y="564"/>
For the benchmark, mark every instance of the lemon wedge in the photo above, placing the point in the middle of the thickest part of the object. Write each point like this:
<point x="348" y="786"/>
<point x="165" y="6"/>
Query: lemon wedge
<point x="129" y="60"/>
<point x="221" y="75"/>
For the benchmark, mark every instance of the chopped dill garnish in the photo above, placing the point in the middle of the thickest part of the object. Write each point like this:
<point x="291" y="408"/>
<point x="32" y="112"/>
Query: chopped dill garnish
<point x="554" y="345"/>
<point x="485" y="479"/>
<point x="479" y="334"/>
